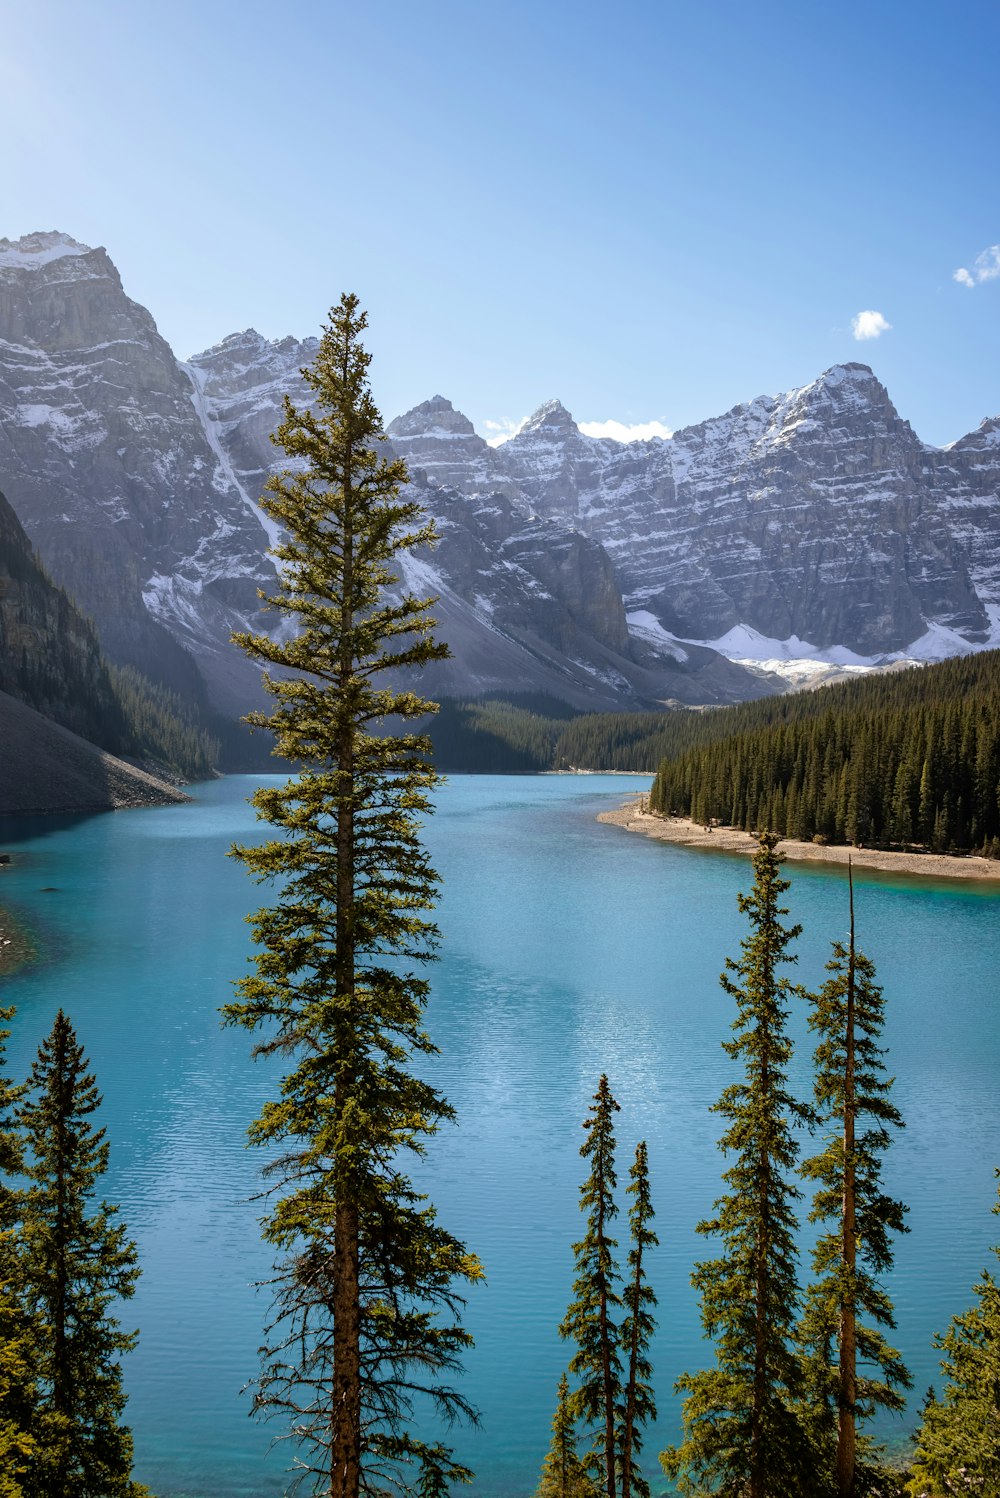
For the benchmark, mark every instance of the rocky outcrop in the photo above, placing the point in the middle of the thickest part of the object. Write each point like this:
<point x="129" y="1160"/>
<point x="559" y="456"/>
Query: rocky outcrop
<point x="109" y="464"/>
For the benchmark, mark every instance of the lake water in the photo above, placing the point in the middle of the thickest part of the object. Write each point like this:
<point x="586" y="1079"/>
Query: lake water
<point x="571" y="948"/>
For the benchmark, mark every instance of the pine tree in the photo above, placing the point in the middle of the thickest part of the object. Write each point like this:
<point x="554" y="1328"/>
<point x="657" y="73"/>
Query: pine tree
<point x="366" y="1310"/>
<point x="563" y="1474"/>
<point x="638" y="1326"/>
<point x="849" y="1259"/>
<point x="17" y="1389"/>
<point x="77" y="1261"/>
<point x="589" y="1317"/>
<point x="743" y="1434"/>
<point x="958" y="1444"/>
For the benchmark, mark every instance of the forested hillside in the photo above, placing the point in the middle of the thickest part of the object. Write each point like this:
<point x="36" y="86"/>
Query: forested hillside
<point x="51" y="660"/>
<point x="907" y="758"/>
<point x="531" y="732"/>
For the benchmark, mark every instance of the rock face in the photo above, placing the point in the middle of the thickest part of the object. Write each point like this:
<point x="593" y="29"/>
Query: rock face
<point x="579" y="566"/>
<point x="108" y="461"/>
<point x="243" y="382"/>
<point x="817" y="514"/>
<point x="532" y="605"/>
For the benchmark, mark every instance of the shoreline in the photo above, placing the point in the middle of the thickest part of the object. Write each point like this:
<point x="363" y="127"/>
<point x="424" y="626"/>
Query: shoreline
<point x="682" y="832"/>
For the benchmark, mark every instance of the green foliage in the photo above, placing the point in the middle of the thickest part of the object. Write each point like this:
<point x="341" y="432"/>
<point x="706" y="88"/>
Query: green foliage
<point x="743" y="1435"/>
<point x="17" y="1383"/>
<point x="366" y="1308"/>
<point x="494" y="736"/>
<point x="158" y="727"/>
<point x="563" y="1473"/>
<point x="17" y="1390"/>
<point x="533" y="732"/>
<point x="958" y="1445"/>
<point x="624" y="741"/>
<point x="54" y="664"/>
<point x="589" y="1322"/>
<point x="77" y="1260"/>
<point x="638" y="1326"/>
<point x="910" y="757"/>
<point x="851" y="1369"/>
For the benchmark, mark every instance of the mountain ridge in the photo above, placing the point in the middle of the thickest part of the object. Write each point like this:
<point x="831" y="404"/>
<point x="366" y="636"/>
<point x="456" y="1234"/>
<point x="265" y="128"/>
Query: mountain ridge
<point x="816" y="516"/>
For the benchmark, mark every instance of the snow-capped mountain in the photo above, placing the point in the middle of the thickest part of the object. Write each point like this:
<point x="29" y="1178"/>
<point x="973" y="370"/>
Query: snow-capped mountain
<point x="818" y="516"/>
<point x="814" y="524"/>
<point x="108" y="460"/>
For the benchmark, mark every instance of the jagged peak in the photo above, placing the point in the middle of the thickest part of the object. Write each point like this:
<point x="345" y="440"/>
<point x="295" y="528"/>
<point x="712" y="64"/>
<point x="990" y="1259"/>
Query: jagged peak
<point x="250" y="347"/>
<point x="247" y="341"/>
<point x="851" y="373"/>
<point x="551" y="418"/>
<point x="850" y="379"/>
<point x="437" y="414"/>
<point x="32" y="251"/>
<point x="986" y="434"/>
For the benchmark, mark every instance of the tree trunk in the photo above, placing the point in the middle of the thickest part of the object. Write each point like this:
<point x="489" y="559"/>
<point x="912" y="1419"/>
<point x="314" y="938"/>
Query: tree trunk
<point x="757" y="1468"/>
<point x="345" y="1411"/>
<point x="633" y="1358"/>
<point x="609" y="1398"/>
<point x="847" y="1393"/>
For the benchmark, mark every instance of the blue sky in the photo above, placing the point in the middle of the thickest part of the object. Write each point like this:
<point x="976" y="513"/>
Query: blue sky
<point x="650" y="210"/>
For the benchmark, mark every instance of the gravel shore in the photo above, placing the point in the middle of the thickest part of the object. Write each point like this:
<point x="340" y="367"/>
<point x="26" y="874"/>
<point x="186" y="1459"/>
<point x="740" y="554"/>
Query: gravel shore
<point x="690" y="834"/>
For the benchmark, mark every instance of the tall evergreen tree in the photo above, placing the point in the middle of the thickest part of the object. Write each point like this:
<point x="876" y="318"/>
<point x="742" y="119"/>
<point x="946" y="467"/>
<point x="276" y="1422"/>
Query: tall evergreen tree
<point x="847" y="1305"/>
<point x="77" y="1260"/>
<point x="958" y="1445"/>
<point x="563" y="1473"/>
<point x="366" y="1311"/>
<point x="589" y="1319"/>
<point x="17" y="1390"/>
<point x="638" y="1326"/>
<point x="743" y="1435"/>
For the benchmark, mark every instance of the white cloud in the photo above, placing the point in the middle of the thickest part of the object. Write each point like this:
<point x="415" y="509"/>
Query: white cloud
<point x="619" y="431"/>
<point x="498" y="432"/>
<point x="867" y="325"/>
<point x="985" y="267"/>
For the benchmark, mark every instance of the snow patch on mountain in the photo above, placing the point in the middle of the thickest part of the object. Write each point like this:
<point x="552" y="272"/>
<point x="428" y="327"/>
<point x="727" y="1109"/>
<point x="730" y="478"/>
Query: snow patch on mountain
<point x="33" y="251"/>
<point x="225" y="475"/>
<point x="802" y="664"/>
<point x="647" y="628"/>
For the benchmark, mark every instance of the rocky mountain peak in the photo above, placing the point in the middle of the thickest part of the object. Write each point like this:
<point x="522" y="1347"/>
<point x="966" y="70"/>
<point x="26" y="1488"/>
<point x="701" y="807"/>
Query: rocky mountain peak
<point x="848" y="386"/>
<point x="436" y="417"/>
<point x="986" y="437"/>
<point x="249" y="342"/>
<point x="32" y="251"/>
<point x="552" y="420"/>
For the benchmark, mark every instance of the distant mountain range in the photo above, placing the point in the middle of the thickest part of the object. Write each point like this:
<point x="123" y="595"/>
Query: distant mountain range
<point x="802" y="533"/>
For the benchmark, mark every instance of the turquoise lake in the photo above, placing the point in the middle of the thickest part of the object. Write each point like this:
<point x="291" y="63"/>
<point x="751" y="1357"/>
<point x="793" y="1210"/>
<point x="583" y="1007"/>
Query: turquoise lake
<point x="570" y="948"/>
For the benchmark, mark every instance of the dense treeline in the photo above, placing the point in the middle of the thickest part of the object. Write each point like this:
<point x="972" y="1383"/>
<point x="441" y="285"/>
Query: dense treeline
<point x="494" y="736"/>
<point x="156" y="725"/>
<point x="51" y="660"/>
<point x="531" y="733"/>
<point x="902" y="758"/>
